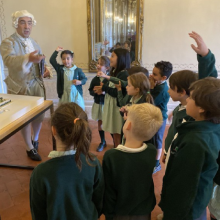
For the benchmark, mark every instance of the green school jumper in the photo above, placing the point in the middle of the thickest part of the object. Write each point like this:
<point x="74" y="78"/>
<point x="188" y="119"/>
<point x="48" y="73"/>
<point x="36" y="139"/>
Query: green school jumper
<point x="206" y="66"/>
<point x="129" y="188"/>
<point x="188" y="181"/>
<point x="59" y="190"/>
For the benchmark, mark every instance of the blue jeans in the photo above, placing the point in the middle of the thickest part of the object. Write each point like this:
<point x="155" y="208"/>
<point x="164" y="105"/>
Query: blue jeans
<point x="159" y="136"/>
<point x="203" y="216"/>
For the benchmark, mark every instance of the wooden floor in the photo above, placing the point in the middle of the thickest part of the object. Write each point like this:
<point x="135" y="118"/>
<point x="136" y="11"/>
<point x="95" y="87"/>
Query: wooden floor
<point x="14" y="183"/>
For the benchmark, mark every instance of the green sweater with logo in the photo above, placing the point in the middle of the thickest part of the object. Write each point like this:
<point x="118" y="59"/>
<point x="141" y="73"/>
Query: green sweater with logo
<point x="59" y="190"/>
<point x="129" y="188"/>
<point x="188" y="181"/>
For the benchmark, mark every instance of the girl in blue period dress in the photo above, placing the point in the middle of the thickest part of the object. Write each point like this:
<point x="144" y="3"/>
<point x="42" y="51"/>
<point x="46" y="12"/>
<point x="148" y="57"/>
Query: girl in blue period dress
<point x="70" y="78"/>
<point x="112" y="120"/>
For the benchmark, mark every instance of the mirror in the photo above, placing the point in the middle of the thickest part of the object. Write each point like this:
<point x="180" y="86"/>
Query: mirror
<point x="112" y="24"/>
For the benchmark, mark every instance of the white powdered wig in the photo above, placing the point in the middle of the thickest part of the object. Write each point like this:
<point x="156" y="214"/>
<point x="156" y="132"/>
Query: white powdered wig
<point x="19" y="14"/>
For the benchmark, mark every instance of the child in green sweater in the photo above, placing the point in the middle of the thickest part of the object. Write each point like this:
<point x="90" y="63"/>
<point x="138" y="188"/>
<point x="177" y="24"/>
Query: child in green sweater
<point x="129" y="188"/>
<point x="179" y="90"/>
<point x="188" y="181"/>
<point x="181" y="81"/>
<point x="159" y="90"/>
<point x="70" y="185"/>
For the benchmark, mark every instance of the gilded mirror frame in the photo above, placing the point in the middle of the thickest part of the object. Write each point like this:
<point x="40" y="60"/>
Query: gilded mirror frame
<point x="139" y="34"/>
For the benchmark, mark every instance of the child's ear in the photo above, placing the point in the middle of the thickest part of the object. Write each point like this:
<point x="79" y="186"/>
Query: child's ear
<point x="128" y="126"/>
<point x="201" y="110"/>
<point x="164" y="78"/>
<point x="54" y="131"/>
<point x="138" y="90"/>
<point x="183" y="92"/>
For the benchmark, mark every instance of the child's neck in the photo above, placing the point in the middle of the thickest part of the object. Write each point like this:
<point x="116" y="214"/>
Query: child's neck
<point x="69" y="67"/>
<point x="160" y="82"/>
<point x="183" y="100"/>
<point x="136" y="97"/>
<point x="132" y="142"/>
<point x="62" y="147"/>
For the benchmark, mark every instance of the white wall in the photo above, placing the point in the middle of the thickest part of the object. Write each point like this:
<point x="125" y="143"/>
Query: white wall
<point x="166" y="27"/>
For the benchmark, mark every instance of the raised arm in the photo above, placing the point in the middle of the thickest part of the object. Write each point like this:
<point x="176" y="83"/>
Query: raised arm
<point x="206" y="60"/>
<point x="53" y="58"/>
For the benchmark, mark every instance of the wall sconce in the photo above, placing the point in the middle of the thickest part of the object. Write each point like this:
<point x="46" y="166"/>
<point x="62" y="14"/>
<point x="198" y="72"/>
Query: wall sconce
<point x="117" y="19"/>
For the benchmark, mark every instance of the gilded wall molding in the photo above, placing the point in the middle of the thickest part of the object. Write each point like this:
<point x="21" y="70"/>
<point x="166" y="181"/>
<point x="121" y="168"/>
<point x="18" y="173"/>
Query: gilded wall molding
<point x="3" y="30"/>
<point x="139" y="34"/>
<point x="181" y="66"/>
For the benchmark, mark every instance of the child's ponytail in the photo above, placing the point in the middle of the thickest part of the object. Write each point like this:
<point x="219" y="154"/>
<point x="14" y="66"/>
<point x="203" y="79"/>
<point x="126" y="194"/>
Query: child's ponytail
<point x="72" y="128"/>
<point x="149" y="98"/>
<point x="82" y="136"/>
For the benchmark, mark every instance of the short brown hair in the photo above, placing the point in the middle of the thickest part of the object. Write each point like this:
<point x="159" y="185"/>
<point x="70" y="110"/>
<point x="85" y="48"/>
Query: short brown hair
<point x="73" y="132"/>
<point x="182" y="80"/>
<point x="146" y="120"/>
<point x="206" y="94"/>
<point x="165" y="68"/>
<point x="139" y="80"/>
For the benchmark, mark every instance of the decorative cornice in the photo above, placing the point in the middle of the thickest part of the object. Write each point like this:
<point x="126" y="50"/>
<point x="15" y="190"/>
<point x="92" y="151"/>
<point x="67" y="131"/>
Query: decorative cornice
<point x="2" y="21"/>
<point x="180" y="66"/>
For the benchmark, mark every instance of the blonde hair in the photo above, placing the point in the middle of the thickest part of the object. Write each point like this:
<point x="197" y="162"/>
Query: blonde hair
<point x="146" y="120"/>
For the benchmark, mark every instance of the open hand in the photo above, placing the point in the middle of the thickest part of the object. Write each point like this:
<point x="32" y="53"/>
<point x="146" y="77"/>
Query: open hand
<point x="76" y="82"/>
<point x="118" y="86"/>
<point x="98" y="90"/>
<point x="34" y="57"/>
<point x="123" y="109"/>
<point x="59" y="49"/>
<point x="201" y="48"/>
<point x="103" y="75"/>
<point x="46" y="73"/>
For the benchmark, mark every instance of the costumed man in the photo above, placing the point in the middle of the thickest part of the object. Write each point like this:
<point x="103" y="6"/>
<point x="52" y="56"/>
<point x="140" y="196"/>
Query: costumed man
<point x="25" y="62"/>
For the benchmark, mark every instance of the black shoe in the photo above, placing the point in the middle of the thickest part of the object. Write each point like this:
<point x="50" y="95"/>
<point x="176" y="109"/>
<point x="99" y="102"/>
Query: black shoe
<point x="35" y="144"/>
<point x="101" y="147"/>
<point x="33" y="155"/>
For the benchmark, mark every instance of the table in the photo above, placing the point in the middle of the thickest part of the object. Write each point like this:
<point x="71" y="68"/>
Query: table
<point x="21" y="122"/>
